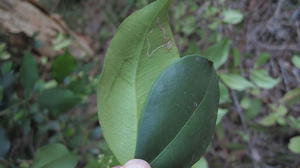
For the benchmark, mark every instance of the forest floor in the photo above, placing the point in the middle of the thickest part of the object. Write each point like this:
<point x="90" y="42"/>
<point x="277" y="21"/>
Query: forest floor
<point x="259" y="124"/>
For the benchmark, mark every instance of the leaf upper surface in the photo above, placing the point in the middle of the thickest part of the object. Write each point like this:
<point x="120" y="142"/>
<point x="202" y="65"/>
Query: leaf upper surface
<point x="180" y="114"/>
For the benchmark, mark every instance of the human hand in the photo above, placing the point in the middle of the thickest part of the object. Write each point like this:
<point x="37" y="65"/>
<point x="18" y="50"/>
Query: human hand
<point x="135" y="163"/>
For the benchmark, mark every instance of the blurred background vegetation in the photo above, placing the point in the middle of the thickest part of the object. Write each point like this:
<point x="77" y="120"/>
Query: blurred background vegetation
<point x="51" y="53"/>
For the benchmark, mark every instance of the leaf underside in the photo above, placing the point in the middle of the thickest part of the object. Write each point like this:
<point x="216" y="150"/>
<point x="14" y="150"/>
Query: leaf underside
<point x="179" y="116"/>
<point x="141" y="49"/>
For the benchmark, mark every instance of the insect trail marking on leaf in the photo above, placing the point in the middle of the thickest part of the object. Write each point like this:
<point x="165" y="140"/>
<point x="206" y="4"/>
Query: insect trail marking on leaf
<point x="167" y="45"/>
<point x="167" y="42"/>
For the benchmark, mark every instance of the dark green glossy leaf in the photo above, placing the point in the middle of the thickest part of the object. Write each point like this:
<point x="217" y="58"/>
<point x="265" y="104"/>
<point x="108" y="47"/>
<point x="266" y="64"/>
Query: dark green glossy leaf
<point x="179" y="117"/>
<point x="80" y="85"/>
<point x="6" y="67"/>
<point x="141" y="49"/>
<point x="54" y="156"/>
<point x="58" y="99"/>
<point x="28" y="73"/>
<point x="62" y="66"/>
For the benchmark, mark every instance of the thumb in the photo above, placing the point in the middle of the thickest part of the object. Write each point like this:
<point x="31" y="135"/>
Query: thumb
<point x="136" y="163"/>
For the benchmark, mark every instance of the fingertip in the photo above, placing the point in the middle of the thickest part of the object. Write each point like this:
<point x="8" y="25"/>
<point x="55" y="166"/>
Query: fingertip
<point x="136" y="163"/>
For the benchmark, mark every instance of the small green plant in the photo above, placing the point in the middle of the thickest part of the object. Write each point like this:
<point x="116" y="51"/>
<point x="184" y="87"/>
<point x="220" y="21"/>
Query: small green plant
<point x="154" y="105"/>
<point x="33" y="99"/>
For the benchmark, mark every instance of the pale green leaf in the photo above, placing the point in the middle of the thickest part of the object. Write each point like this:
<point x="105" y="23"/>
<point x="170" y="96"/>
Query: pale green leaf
<point x="202" y="163"/>
<point x="54" y="156"/>
<point x="275" y="117"/>
<point x="61" y="45"/>
<point x="214" y="25"/>
<point x="221" y="114"/>
<point x="61" y="42"/>
<point x="281" y="111"/>
<point x="296" y="61"/>
<point x="293" y="122"/>
<point x="269" y="120"/>
<point x="224" y="94"/>
<point x="232" y="16"/>
<point x="294" y="144"/>
<point x="236" y="57"/>
<point x="180" y="10"/>
<point x="263" y="80"/>
<point x="218" y="53"/>
<point x="262" y="59"/>
<point x="291" y="97"/>
<point x="141" y="49"/>
<point x="193" y="48"/>
<point x="252" y="107"/>
<point x="235" y="81"/>
<point x="189" y="24"/>
<point x="210" y="11"/>
<point x="4" y="55"/>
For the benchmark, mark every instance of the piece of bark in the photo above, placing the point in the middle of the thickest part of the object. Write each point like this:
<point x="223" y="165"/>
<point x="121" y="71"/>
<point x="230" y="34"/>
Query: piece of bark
<point x="20" y="16"/>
